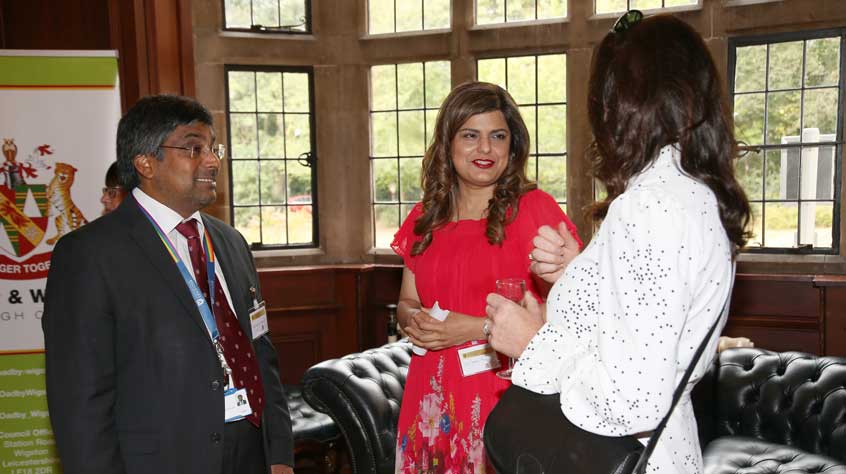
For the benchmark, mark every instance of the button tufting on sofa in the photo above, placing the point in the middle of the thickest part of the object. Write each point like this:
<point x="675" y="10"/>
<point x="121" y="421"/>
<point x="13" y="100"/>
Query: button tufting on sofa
<point x="737" y="454"/>
<point x="762" y="412"/>
<point x="362" y="393"/>
<point x="309" y="423"/>
<point x="751" y="420"/>
<point x="315" y="435"/>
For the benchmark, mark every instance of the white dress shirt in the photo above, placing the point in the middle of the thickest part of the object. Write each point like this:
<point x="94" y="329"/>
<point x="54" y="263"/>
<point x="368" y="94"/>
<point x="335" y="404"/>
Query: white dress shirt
<point x="627" y="316"/>
<point x="168" y="219"/>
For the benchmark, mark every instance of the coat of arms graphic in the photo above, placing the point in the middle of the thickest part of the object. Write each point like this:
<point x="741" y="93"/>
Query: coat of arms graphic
<point x="28" y="206"/>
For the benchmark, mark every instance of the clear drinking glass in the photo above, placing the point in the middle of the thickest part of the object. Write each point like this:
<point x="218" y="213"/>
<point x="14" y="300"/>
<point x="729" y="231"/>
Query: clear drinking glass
<point x="513" y="289"/>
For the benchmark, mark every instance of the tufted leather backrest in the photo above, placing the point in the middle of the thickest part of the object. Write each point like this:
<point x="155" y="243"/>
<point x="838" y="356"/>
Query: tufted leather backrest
<point x="783" y="397"/>
<point x="362" y="393"/>
<point x="307" y="422"/>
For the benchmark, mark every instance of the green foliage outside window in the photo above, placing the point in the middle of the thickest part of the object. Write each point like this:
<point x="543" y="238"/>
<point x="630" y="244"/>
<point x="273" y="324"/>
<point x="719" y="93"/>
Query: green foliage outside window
<point x="787" y="93"/>
<point x="538" y="85"/>
<point x="270" y="133"/>
<point x="396" y="16"/>
<point x="272" y="15"/>
<point x="506" y="11"/>
<point x="619" y="6"/>
<point x="404" y="102"/>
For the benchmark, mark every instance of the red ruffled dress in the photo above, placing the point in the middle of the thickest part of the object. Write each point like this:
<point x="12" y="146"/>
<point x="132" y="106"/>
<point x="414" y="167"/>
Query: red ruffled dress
<point x="443" y="413"/>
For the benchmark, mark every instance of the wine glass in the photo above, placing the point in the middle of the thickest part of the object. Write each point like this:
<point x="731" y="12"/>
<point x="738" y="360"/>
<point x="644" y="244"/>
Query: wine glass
<point x="513" y="289"/>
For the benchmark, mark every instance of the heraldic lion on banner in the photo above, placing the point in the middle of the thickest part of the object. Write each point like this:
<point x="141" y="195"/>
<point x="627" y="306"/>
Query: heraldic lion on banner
<point x="26" y="207"/>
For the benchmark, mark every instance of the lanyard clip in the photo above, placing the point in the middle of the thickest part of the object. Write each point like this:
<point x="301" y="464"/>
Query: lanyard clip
<point x="255" y="296"/>
<point x="227" y="371"/>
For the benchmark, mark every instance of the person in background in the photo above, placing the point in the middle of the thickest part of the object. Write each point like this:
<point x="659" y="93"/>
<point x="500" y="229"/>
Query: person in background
<point x="474" y="225"/>
<point x="154" y="325"/>
<point x="113" y="192"/>
<point x="625" y="317"/>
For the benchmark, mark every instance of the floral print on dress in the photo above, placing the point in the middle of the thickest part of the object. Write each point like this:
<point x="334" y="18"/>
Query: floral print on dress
<point x="446" y="444"/>
<point x="458" y="270"/>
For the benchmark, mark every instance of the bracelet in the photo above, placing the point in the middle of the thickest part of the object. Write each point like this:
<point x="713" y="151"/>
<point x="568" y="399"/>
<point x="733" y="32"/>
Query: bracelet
<point x="486" y="330"/>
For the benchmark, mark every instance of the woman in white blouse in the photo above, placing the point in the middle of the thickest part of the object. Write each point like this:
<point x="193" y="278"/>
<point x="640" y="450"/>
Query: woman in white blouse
<point x="624" y="319"/>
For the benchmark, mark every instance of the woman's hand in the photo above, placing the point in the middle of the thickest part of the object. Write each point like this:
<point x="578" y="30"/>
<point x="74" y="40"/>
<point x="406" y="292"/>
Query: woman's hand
<point x="726" y="342"/>
<point x="512" y="326"/>
<point x="554" y="249"/>
<point x="411" y="323"/>
<point x="427" y="332"/>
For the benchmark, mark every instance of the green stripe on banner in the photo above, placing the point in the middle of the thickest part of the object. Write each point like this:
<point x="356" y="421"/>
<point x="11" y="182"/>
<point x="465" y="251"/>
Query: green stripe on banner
<point x="27" y="442"/>
<point x="47" y="71"/>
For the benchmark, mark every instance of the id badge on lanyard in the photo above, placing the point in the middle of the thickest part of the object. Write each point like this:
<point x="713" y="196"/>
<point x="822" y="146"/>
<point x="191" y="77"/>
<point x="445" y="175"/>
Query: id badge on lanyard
<point x="477" y="358"/>
<point x="235" y="400"/>
<point x="258" y="316"/>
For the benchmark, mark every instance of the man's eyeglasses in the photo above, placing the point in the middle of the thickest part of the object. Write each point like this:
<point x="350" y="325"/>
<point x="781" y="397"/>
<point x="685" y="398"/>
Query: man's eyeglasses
<point x="218" y="151"/>
<point x="628" y="20"/>
<point x="112" y="192"/>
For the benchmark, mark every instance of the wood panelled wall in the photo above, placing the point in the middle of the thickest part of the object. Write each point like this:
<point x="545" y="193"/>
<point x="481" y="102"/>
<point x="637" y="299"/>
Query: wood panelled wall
<point x="330" y="310"/>
<point x="317" y="313"/>
<point x="153" y="38"/>
<point x="791" y="312"/>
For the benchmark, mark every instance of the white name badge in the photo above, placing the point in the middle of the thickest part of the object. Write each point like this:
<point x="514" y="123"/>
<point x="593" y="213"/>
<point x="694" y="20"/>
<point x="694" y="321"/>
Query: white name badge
<point x="237" y="404"/>
<point x="258" y="320"/>
<point x="477" y="359"/>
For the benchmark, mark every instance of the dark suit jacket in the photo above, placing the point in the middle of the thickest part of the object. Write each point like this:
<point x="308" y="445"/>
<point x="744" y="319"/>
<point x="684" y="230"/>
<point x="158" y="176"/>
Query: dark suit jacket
<point x="133" y="382"/>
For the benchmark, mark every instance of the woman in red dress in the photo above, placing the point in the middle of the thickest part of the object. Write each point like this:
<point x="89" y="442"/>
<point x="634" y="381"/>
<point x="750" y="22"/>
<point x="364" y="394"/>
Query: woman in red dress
<point x="474" y="226"/>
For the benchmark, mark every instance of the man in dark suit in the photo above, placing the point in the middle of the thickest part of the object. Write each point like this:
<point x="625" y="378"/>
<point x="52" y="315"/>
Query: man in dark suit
<point x="154" y="325"/>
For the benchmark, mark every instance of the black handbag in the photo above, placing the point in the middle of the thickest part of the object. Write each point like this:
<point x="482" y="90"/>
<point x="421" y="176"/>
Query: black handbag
<point x="568" y="448"/>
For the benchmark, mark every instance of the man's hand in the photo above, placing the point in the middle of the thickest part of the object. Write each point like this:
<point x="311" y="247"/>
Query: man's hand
<point x="281" y="469"/>
<point x="554" y="249"/>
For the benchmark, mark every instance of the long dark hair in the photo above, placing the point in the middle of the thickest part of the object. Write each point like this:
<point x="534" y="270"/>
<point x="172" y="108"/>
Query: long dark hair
<point x="653" y="85"/>
<point x="439" y="178"/>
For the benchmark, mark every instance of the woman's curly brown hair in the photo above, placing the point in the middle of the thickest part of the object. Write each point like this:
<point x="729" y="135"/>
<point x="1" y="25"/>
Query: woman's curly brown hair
<point x="439" y="178"/>
<point x="656" y="85"/>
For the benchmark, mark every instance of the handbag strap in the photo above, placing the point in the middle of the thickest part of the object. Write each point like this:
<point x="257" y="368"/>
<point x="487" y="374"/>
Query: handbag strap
<point x="640" y="467"/>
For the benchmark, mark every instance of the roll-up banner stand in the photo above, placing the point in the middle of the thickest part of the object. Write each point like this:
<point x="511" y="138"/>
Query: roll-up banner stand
<point x="58" y="119"/>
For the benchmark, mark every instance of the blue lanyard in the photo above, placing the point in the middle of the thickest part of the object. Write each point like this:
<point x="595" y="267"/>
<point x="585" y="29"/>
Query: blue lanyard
<point x="193" y="287"/>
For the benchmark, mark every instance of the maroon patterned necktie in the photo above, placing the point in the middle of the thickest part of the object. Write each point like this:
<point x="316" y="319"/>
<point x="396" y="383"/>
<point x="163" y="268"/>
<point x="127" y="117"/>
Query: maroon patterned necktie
<point x="236" y="347"/>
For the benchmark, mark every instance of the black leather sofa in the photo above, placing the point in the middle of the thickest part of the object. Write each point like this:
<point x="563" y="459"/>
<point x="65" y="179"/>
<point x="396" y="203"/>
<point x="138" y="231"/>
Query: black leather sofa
<point x="758" y="411"/>
<point x="315" y="436"/>
<point x="362" y="393"/>
<point x="765" y="412"/>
